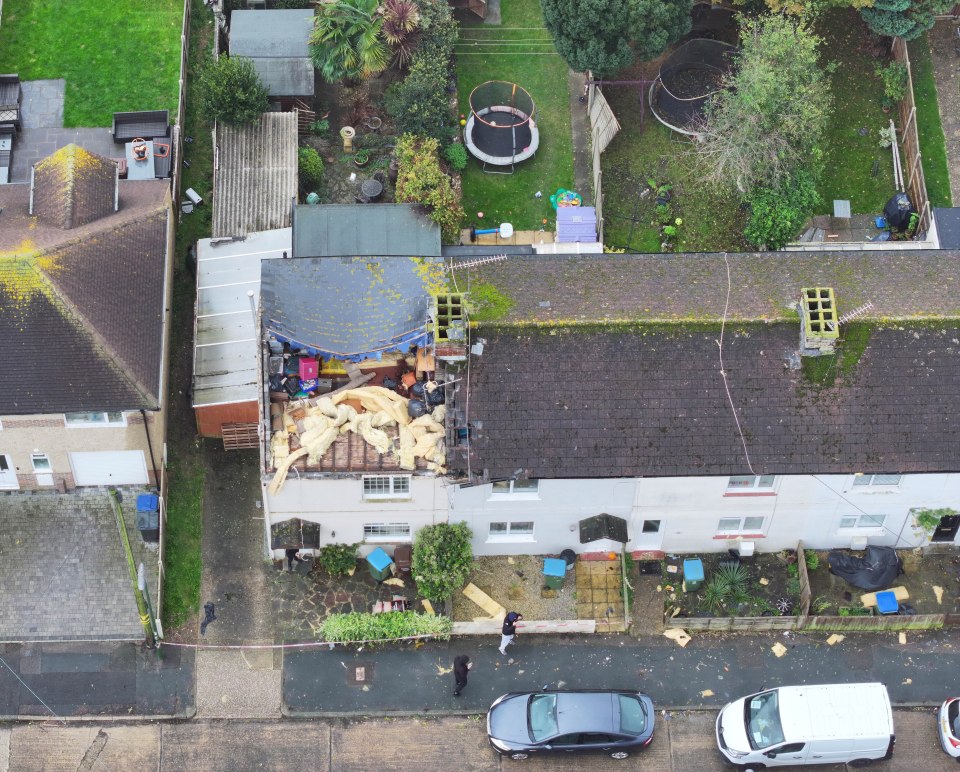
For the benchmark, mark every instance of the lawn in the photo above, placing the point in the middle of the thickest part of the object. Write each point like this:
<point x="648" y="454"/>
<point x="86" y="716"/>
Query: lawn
<point x="115" y="56"/>
<point x="850" y="157"/>
<point x="520" y="51"/>
<point x="933" y="155"/>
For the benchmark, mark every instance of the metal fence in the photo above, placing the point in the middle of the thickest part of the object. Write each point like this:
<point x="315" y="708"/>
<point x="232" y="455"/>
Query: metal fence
<point x="910" y="142"/>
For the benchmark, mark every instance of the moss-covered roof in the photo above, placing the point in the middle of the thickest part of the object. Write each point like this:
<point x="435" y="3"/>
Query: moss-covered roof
<point x="73" y="186"/>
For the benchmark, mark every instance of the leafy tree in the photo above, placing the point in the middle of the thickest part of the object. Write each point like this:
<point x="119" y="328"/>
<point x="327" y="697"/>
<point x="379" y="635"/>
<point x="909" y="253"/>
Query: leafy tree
<point x="230" y="91"/>
<point x="778" y="214"/>
<point x="310" y="168"/>
<point x="420" y="180"/>
<point x="769" y="119"/>
<point x="438" y="30"/>
<point x="604" y="35"/>
<point x="346" y="40"/>
<point x="907" y="19"/>
<point x="419" y="104"/>
<point x="401" y="18"/>
<point x="442" y="558"/>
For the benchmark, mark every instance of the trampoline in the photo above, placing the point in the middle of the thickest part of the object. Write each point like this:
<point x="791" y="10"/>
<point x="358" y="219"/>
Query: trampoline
<point x="501" y="131"/>
<point x="688" y="78"/>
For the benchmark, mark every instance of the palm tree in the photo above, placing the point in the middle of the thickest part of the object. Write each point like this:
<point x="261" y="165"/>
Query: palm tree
<point x="346" y="41"/>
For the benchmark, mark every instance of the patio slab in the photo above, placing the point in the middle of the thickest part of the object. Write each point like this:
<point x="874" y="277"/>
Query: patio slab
<point x="42" y="106"/>
<point x="31" y="145"/>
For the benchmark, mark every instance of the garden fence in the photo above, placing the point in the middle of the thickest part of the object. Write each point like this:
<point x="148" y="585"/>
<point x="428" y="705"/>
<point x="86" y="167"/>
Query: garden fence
<point x="910" y="142"/>
<point x="603" y="128"/>
<point x="161" y="569"/>
<point x="804" y="577"/>
<point x="181" y="107"/>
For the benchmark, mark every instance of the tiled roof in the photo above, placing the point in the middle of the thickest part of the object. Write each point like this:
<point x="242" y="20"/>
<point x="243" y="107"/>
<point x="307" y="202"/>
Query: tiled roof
<point x="568" y="402"/>
<point x="73" y="187"/>
<point x="255" y="181"/>
<point x="81" y="310"/>
<point x="550" y="288"/>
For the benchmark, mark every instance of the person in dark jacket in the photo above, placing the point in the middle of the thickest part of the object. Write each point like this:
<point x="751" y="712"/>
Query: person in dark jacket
<point x="461" y="666"/>
<point x="293" y="554"/>
<point x="509" y="630"/>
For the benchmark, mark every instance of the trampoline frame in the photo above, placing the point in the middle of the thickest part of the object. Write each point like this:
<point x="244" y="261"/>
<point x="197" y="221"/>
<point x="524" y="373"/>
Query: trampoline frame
<point x="477" y="114"/>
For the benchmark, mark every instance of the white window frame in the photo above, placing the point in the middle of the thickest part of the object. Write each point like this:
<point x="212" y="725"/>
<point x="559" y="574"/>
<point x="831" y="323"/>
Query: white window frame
<point x="742" y="527"/>
<point x="398" y="487"/>
<point x="392" y="532"/>
<point x="514" y="532"/>
<point x="871" y="480"/>
<point x="751" y="482"/>
<point x="529" y="490"/>
<point x="102" y="424"/>
<point x="862" y="521"/>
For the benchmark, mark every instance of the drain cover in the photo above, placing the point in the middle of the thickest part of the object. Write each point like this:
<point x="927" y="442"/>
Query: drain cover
<point x="360" y="674"/>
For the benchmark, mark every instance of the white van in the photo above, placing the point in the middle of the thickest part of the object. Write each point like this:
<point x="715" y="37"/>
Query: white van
<point x="796" y="725"/>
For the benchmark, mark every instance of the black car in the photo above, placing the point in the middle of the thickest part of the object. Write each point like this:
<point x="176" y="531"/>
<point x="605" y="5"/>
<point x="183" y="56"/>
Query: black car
<point x="612" y="722"/>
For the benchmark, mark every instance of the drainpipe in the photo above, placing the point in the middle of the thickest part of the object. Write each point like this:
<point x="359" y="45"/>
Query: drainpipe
<point x="153" y="462"/>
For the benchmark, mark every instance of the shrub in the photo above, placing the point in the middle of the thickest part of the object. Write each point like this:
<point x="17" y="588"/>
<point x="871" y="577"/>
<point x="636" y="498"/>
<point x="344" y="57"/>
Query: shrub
<point x="456" y="155"/>
<point x="812" y="560"/>
<point x="895" y="79"/>
<point x="419" y="104"/>
<point x="231" y="91"/>
<point x="442" y="558"/>
<point x="420" y="180"/>
<point x="320" y="128"/>
<point x="438" y="29"/>
<point x="337" y="559"/>
<point x="716" y="593"/>
<point x="360" y="626"/>
<point x="310" y="166"/>
<point x="778" y="214"/>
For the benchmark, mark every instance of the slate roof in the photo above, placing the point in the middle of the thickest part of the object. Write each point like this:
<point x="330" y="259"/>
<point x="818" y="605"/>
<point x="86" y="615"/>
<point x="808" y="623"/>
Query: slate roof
<point x="255" y="181"/>
<point x="277" y="43"/>
<point x="363" y="230"/>
<point x="575" y="403"/>
<point x="81" y="310"/>
<point x="73" y="186"/>
<point x="349" y="306"/>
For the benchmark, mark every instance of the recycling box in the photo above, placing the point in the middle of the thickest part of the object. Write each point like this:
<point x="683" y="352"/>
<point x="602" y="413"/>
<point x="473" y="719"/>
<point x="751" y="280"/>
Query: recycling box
<point x="692" y="574"/>
<point x="554" y="572"/>
<point x="379" y="562"/>
<point x="148" y="517"/>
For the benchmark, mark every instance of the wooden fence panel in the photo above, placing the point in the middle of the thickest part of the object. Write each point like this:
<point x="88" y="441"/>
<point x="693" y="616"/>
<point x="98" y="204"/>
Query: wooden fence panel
<point x="804" y="576"/>
<point x="916" y="184"/>
<point x="733" y="624"/>
<point x="875" y="624"/>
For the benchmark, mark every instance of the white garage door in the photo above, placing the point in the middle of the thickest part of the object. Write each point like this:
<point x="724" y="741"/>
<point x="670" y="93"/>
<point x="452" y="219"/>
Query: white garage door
<point x="109" y="467"/>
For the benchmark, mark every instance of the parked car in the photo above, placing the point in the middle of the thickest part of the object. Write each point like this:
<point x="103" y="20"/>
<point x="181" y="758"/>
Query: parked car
<point x="617" y="723"/>
<point x="799" y="725"/>
<point x="948" y="726"/>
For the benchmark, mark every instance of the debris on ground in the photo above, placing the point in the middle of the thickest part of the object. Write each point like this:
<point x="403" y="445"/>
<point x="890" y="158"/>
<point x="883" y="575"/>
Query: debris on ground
<point x="677" y="635"/>
<point x="706" y="693"/>
<point x="835" y="638"/>
<point x="778" y="649"/>
<point x="938" y="591"/>
<point x="902" y="638"/>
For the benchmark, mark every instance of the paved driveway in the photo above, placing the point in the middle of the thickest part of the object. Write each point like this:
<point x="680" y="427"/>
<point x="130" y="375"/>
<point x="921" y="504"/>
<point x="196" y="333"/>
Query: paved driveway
<point x="63" y="576"/>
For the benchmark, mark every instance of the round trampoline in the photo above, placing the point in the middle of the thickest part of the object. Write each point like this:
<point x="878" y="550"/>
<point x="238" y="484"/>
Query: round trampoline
<point x="688" y="78"/>
<point x="501" y="130"/>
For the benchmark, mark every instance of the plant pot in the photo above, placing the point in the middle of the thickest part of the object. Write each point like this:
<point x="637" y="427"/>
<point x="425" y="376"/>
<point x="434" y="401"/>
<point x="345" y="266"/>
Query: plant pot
<point x="361" y="162"/>
<point x="393" y="171"/>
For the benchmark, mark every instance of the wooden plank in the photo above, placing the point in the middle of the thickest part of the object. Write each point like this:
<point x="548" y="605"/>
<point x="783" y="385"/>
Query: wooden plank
<point x="546" y="626"/>
<point x="869" y="599"/>
<point x="239" y="436"/>
<point x="484" y="601"/>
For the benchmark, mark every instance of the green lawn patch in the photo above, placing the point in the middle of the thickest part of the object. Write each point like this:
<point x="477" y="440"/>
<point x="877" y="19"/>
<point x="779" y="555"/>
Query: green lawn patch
<point x="521" y="51"/>
<point x="115" y="56"/>
<point x="849" y="157"/>
<point x="933" y="152"/>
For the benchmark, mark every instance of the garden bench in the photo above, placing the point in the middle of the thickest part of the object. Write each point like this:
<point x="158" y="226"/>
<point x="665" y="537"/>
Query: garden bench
<point x="11" y="95"/>
<point x="148" y="123"/>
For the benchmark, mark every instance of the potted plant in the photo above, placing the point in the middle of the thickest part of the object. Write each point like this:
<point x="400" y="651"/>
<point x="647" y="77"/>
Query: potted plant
<point x="361" y="158"/>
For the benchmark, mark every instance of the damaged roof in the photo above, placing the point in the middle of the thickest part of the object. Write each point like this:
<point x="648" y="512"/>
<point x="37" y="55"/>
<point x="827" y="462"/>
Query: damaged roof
<point x="609" y="366"/>
<point x="81" y="308"/>
<point x="350" y="307"/>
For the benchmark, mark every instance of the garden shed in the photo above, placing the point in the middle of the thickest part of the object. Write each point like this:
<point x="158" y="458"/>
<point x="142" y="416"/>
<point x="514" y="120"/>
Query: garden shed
<point x="333" y="230"/>
<point x="277" y="43"/>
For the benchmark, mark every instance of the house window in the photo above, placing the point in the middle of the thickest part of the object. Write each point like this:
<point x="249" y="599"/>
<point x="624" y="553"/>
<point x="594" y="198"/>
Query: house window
<point x="386" y="486"/>
<point x="877" y="479"/>
<point x="730" y="525"/>
<point x="521" y="487"/>
<point x="516" y="530"/>
<point x="746" y="482"/>
<point x="651" y="526"/>
<point x="386" y="531"/>
<point x="81" y="420"/>
<point x="863" y="521"/>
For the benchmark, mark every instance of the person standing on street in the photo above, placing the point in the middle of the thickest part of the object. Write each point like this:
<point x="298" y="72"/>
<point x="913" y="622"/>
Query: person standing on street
<point x="461" y="666"/>
<point x="509" y="630"/>
<point x="293" y="554"/>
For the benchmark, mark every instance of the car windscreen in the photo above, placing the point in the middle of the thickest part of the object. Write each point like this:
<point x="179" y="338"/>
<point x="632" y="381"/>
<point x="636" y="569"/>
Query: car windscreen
<point x="542" y="716"/>
<point x="633" y="719"/>
<point x="762" y="714"/>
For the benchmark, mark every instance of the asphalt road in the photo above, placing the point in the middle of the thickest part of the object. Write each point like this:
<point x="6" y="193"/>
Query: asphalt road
<point x="683" y="742"/>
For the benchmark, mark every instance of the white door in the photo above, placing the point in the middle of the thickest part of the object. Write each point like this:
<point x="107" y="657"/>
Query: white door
<point x="8" y="474"/>
<point x="109" y="467"/>
<point x="42" y="469"/>
<point x="647" y="533"/>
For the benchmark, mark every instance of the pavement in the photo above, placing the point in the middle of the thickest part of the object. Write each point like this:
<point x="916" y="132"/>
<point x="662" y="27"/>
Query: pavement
<point x="712" y="670"/>
<point x="683" y="742"/>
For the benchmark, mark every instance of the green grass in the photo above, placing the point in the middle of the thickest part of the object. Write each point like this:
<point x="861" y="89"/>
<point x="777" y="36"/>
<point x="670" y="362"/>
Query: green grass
<point x="857" y="92"/>
<point x="933" y="156"/>
<point x="822" y="372"/>
<point x="115" y="55"/>
<point x="533" y="64"/>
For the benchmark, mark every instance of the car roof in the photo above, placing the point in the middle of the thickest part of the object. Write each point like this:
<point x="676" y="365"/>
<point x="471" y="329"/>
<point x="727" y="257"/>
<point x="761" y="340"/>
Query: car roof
<point x="587" y="712"/>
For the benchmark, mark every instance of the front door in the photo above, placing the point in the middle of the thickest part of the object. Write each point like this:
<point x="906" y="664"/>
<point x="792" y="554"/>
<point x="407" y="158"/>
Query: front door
<point x="648" y="535"/>
<point x="8" y="474"/>
<point x="947" y="529"/>
<point x="42" y="470"/>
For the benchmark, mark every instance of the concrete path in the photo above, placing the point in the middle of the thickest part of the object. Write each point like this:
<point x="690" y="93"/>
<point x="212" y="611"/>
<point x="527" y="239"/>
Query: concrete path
<point x="233" y="682"/>
<point x="580" y="127"/>
<point x="683" y="742"/>
<point x="946" y="73"/>
<point x="710" y="671"/>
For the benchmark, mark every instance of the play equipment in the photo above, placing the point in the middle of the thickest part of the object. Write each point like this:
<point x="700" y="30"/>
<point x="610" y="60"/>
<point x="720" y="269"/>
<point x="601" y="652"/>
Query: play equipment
<point x="501" y="131"/>
<point x="565" y="198"/>
<point x="505" y="231"/>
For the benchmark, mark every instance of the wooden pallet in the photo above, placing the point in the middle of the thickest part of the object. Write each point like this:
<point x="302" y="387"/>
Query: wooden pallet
<point x="240" y="436"/>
